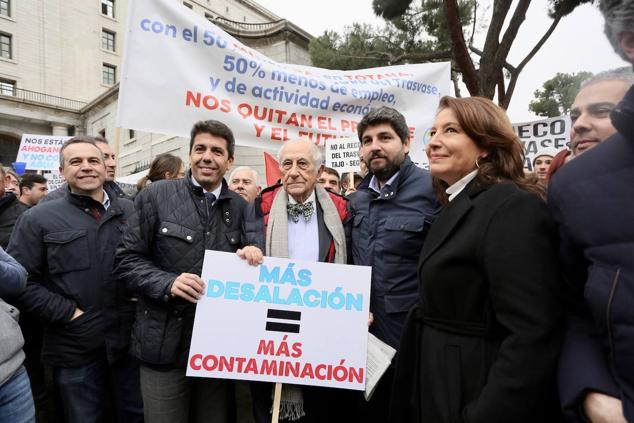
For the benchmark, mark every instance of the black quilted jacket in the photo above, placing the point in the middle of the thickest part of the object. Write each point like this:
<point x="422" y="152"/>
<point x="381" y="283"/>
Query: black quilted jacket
<point x="167" y="236"/>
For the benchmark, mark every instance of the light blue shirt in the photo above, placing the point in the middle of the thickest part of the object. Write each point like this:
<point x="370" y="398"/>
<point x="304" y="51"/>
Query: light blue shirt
<point x="303" y="237"/>
<point x="374" y="183"/>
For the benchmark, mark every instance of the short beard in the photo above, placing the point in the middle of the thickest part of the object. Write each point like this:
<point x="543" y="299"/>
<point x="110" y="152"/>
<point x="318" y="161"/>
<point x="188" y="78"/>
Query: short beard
<point x="385" y="173"/>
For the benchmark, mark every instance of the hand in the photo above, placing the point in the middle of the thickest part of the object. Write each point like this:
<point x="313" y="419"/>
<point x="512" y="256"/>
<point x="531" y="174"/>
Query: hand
<point x="602" y="408"/>
<point x="350" y="190"/>
<point x="188" y="286"/>
<point x="253" y="255"/>
<point x="370" y="319"/>
<point x="78" y="312"/>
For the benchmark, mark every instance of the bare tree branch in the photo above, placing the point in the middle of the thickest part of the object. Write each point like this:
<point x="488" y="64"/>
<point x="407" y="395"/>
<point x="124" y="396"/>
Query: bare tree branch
<point x="474" y="19"/>
<point x="516" y="72"/>
<point x="460" y="51"/>
<point x="511" y="32"/>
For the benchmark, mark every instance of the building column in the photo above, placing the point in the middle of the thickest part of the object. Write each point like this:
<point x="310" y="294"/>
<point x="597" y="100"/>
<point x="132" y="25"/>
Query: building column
<point x="59" y="129"/>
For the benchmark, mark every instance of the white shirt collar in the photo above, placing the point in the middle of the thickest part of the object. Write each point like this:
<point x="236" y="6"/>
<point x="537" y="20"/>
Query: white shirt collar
<point x="374" y="183"/>
<point x="106" y="200"/>
<point x="458" y="186"/>
<point x="291" y="200"/>
<point x="215" y="192"/>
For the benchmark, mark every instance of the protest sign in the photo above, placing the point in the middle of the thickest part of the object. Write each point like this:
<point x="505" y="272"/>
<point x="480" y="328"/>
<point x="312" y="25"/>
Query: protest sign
<point x="179" y="68"/>
<point x="342" y="154"/>
<point x="40" y="152"/>
<point x="287" y="321"/>
<point x="545" y="136"/>
<point x="54" y="179"/>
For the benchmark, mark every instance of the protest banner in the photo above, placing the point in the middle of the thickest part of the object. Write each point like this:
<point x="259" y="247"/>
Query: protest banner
<point x="179" y="68"/>
<point x="40" y="152"/>
<point x="285" y="321"/>
<point x="544" y="136"/>
<point x="342" y="154"/>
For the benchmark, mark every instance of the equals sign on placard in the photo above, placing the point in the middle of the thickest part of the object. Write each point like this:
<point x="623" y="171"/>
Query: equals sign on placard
<point x="280" y="320"/>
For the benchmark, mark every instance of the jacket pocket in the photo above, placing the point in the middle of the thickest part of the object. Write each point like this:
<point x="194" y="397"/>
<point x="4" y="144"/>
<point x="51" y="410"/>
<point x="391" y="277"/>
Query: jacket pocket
<point x="174" y="230"/>
<point x="404" y="238"/>
<point x="83" y="334"/>
<point x="157" y="334"/>
<point x="233" y="238"/>
<point x="67" y="251"/>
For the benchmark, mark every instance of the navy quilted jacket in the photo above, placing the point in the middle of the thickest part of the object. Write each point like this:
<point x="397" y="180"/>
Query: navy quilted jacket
<point x="167" y="236"/>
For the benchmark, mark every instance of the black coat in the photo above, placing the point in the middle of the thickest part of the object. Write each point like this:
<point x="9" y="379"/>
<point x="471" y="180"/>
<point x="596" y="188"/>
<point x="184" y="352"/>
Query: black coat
<point x="69" y="256"/>
<point x="482" y="344"/>
<point x="592" y="200"/>
<point x="10" y="209"/>
<point x="168" y="235"/>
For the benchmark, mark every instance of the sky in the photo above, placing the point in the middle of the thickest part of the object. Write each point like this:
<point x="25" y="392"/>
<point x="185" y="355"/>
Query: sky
<point x="577" y="44"/>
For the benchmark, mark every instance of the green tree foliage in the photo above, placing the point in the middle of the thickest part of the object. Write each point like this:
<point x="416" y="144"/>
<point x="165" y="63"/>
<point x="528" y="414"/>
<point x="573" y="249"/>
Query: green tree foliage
<point x="557" y="94"/>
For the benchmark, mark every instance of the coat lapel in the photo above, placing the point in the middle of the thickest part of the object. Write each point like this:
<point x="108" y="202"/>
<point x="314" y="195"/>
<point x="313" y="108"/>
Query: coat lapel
<point x="445" y="223"/>
<point x="324" y="235"/>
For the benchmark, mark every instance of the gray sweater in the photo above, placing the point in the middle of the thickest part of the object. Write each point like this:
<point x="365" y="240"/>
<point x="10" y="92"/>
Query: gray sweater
<point x="12" y="282"/>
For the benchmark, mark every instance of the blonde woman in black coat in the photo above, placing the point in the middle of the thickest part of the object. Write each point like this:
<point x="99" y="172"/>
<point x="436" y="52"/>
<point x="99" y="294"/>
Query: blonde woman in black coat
<point x="482" y="344"/>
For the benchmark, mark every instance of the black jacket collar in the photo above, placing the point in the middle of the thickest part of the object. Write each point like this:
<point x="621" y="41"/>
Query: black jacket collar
<point x="623" y="115"/>
<point x="199" y="192"/>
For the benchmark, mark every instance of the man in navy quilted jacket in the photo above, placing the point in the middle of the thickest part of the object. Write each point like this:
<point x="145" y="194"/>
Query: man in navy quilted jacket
<point x="161" y="259"/>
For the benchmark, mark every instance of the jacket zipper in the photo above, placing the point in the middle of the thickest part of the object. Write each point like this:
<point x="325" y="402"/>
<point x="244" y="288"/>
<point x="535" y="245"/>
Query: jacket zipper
<point x="608" y="312"/>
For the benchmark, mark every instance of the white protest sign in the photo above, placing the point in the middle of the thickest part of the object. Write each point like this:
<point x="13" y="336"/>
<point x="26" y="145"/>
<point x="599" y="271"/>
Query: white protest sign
<point x="286" y="321"/>
<point x="179" y="68"/>
<point x="40" y="152"/>
<point x="342" y="154"/>
<point x="54" y="180"/>
<point x="544" y="136"/>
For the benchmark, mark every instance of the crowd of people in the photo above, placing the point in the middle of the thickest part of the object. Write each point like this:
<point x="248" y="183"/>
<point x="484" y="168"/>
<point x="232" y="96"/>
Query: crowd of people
<point x="508" y="296"/>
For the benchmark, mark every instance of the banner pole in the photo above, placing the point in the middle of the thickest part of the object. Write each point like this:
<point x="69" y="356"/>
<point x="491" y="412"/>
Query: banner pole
<point x="277" y="398"/>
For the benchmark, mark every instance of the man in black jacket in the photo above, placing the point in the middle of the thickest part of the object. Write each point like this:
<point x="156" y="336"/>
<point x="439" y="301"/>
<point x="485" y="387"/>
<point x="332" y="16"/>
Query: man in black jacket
<point x="161" y="260"/>
<point x="592" y="200"/>
<point x="67" y="247"/>
<point x="10" y="209"/>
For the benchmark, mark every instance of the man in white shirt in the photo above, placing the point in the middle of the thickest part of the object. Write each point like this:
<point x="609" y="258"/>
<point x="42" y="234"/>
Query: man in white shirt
<point x="300" y="220"/>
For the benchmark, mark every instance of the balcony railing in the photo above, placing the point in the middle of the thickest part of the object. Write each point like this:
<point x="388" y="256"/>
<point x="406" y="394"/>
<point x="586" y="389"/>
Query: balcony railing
<point x="247" y="26"/>
<point x="42" y="98"/>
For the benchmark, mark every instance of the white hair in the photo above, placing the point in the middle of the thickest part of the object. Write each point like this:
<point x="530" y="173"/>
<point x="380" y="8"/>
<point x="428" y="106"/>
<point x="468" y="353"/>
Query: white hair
<point x="243" y="168"/>
<point x="619" y="17"/>
<point x="315" y="151"/>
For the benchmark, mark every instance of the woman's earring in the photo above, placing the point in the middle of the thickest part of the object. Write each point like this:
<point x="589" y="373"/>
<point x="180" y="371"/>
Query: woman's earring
<point x="477" y="164"/>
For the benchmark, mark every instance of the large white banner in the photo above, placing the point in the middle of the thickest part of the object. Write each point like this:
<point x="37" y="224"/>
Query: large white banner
<point x="180" y="68"/>
<point x="544" y="136"/>
<point x="284" y="321"/>
<point x="40" y="152"/>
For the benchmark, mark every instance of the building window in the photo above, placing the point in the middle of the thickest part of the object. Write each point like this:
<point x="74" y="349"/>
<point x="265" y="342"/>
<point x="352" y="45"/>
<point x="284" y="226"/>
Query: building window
<point x="188" y="5"/>
<point x="5" y="46"/>
<point x="107" y="40"/>
<point x="107" y="8"/>
<point x="131" y="134"/>
<point x="5" y="7"/>
<point x="109" y="74"/>
<point x="7" y="87"/>
<point x="102" y="133"/>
